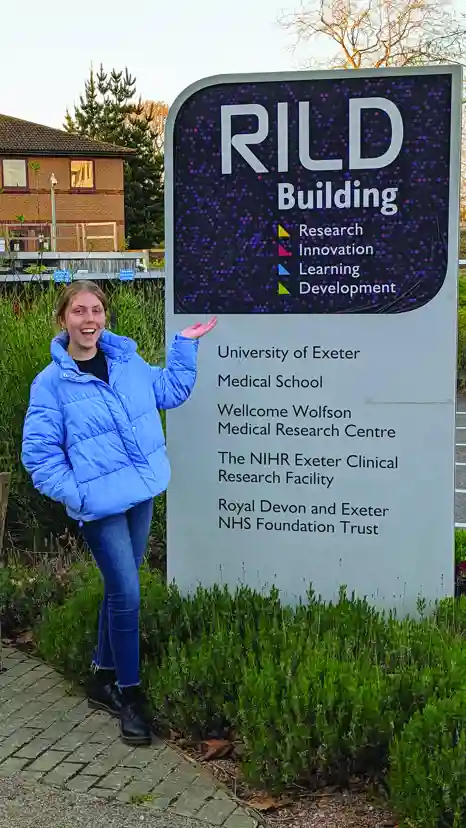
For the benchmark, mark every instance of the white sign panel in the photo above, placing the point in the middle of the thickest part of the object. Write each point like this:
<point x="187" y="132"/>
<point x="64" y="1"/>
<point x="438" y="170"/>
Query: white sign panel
<point x="317" y="215"/>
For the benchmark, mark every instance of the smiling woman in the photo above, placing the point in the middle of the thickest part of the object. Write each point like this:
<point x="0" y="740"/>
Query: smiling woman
<point x="82" y="311"/>
<point x="93" y="441"/>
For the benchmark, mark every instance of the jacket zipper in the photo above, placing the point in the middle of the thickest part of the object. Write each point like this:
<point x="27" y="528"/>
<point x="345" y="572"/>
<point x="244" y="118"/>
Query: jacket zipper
<point x="81" y="378"/>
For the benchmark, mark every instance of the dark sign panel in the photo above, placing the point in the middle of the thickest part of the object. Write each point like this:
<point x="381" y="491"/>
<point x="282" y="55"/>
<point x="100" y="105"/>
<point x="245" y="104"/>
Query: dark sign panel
<point x="312" y="196"/>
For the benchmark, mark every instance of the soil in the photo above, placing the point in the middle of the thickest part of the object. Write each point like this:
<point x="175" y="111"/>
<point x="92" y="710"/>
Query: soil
<point x="359" y="807"/>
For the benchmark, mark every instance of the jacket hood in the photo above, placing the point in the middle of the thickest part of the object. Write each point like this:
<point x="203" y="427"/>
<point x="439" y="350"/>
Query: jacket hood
<point x="118" y="348"/>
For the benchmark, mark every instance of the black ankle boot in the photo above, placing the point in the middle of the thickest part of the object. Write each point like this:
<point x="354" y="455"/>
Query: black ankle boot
<point x="135" y="724"/>
<point x="103" y="693"/>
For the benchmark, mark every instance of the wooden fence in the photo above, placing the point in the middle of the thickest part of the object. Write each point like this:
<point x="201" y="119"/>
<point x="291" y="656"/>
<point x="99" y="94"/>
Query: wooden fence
<point x="5" y="478"/>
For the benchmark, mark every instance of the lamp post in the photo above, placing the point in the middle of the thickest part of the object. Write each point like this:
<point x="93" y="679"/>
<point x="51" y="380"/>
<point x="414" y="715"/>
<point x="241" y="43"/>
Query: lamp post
<point x="53" y="234"/>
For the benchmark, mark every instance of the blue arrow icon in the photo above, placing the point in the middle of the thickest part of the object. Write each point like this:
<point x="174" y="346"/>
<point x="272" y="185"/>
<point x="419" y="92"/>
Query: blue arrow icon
<point x="282" y="271"/>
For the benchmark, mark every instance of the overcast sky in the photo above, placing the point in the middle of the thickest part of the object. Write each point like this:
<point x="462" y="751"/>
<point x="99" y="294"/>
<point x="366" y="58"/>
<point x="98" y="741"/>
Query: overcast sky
<point x="47" y="50"/>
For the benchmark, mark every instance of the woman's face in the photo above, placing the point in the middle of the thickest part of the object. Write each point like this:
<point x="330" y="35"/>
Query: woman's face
<point x="84" y="321"/>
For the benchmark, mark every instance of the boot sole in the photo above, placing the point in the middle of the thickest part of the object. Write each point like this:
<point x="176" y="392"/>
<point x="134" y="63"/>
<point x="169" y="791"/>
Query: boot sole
<point x="138" y="742"/>
<point x="94" y="705"/>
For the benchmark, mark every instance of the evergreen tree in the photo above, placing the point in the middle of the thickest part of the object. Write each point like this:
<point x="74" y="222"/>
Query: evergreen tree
<point x="109" y="111"/>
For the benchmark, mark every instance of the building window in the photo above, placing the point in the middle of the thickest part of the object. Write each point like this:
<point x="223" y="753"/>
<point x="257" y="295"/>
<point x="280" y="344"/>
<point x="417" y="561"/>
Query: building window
<point x="14" y="174"/>
<point x="82" y="175"/>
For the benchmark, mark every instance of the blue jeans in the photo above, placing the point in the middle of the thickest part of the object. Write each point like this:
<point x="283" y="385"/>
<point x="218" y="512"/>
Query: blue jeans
<point x="118" y="544"/>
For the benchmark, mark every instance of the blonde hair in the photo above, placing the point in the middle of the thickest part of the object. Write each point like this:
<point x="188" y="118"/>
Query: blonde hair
<point x="73" y="290"/>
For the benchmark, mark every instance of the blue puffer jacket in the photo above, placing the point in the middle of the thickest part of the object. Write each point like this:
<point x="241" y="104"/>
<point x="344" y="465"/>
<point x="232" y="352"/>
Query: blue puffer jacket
<point x="100" y="449"/>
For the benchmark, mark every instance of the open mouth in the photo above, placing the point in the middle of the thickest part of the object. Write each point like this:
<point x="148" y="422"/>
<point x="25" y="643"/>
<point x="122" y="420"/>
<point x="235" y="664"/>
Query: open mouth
<point x="88" y="331"/>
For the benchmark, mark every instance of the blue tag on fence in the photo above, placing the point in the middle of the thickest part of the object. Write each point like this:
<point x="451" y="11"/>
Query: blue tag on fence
<point x="126" y="275"/>
<point x="62" y="276"/>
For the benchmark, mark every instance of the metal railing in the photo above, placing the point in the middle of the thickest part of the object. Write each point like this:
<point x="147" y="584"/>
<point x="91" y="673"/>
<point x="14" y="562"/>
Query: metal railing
<point x="25" y="237"/>
<point x="125" y="265"/>
<point x="66" y="267"/>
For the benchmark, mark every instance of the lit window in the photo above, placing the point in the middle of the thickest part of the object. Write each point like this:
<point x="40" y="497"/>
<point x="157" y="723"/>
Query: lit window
<point x="82" y="175"/>
<point x="14" y="173"/>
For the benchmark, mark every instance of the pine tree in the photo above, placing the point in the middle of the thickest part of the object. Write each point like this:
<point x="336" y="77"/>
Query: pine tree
<point x="109" y="111"/>
<point x="87" y="116"/>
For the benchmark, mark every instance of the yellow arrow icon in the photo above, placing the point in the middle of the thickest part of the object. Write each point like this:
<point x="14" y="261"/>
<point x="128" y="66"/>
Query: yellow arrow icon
<point x="282" y="233"/>
<point x="282" y="290"/>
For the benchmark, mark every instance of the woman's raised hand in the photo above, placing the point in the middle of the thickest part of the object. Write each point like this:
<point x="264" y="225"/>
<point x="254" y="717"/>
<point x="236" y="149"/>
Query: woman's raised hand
<point x="199" y="329"/>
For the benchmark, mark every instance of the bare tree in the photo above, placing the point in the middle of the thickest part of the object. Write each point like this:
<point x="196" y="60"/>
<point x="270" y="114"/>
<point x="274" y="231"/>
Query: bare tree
<point x="383" y="33"/>
<point x="380" y="33"/>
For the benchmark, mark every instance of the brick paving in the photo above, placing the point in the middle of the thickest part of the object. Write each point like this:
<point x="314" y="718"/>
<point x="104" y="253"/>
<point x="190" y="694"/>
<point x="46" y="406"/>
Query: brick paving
<point x="49" y="736"/>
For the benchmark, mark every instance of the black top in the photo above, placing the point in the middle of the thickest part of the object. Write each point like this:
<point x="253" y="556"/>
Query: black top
<point x="97" y="366"/>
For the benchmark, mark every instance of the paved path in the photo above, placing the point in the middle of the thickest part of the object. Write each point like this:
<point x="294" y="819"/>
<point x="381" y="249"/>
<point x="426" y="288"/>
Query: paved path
<point x="48" y="736"/>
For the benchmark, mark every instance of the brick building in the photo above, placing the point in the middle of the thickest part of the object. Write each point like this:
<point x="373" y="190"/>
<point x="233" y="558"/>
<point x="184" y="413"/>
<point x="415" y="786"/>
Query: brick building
<point x="86" y="178"/>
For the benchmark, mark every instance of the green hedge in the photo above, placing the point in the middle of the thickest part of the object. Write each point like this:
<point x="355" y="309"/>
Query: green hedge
<point x="428" y="766"/>
<point x="461" y="367"/>
<point x="460" y="545"/>
<point x="316" y="694"/>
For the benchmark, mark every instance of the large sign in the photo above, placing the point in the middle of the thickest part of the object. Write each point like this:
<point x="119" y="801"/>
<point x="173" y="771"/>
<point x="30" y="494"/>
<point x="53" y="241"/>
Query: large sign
<point x="317" y="214"/>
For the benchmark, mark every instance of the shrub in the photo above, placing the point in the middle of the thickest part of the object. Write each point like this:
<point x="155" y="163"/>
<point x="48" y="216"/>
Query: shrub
<point x="424" y="662"/>
<point x="450" y="615"/>
<point x="315" y="694"/>
<point x="353" y="621"/>
<point x="26" y="326"/>
<point x="316" y="718"/>
<point x="160" y="611"/>
<point x="195" y="683"/>
<point x="330" y="708"/>
<point x="461" y="367"/>
<point x="460" y="545"/>
<point x="462" y="289"/>
<point x="24" y="592"/>
<point x="428" y="766"/>
<point x="67" y="633"/>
